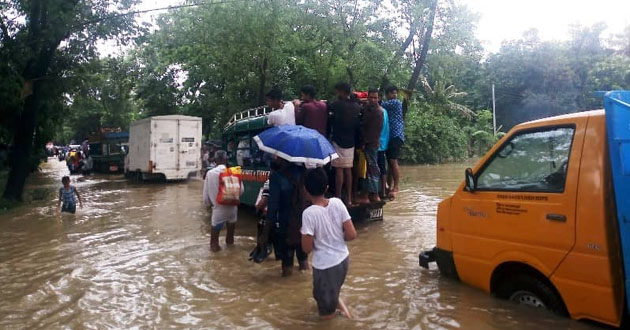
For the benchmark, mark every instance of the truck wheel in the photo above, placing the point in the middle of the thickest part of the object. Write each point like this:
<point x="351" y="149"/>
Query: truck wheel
<point x="531" y="291"/>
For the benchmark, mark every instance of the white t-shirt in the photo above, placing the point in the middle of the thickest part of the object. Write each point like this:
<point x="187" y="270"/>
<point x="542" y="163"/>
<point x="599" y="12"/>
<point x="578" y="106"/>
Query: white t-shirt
<point x="220" y="213"/>
<point x="325" y="224"/>
<point x="284" y="116"/>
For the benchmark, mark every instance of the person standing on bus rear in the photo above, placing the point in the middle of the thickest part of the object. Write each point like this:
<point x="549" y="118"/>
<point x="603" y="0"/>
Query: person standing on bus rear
<point x="283" y="112"/>
<point x="381" y="159"/>
<point x="345" y="123"/>
<point x="396" y="137"/>
<point x="221" y="214"/>
<point x="312" y="113"/>
<point x="371" y="126"/>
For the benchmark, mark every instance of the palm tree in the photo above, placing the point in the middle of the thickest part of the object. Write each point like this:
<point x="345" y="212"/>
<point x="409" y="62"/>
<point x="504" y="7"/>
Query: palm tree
<point x="442" y="96"/>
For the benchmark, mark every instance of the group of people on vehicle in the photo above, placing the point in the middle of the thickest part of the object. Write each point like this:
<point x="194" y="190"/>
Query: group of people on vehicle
<point x="296" y="216"/>
<point x="366" y="132"/>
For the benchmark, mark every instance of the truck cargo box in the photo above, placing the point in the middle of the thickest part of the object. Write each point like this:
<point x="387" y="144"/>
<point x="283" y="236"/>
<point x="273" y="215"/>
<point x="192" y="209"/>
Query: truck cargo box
<point x="168" y="146"/>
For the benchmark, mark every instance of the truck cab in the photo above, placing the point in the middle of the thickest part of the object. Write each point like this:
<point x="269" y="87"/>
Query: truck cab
<point x="534" y="221"/>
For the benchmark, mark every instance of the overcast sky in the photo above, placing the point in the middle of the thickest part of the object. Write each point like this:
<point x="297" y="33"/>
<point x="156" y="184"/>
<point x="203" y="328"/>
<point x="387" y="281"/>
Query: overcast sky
<point x="508" y="19"/>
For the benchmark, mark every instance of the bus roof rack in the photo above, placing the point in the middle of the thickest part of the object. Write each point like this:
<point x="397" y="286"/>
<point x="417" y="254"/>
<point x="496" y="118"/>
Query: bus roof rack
<point x="248" y="114"/>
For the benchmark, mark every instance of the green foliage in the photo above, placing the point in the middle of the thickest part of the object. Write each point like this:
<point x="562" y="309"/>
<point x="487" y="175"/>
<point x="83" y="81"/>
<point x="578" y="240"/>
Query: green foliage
<point x="42" y="42"/>
<point x="480" y="133"/>
<point x="101" y="98"/>
<point x="216" y="59"/>
<point x="432" y="136"/>
<point x="536" y="79"/>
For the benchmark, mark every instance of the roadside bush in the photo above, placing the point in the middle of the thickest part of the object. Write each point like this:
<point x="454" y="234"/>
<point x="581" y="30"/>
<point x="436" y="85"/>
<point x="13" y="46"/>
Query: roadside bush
<point x="432" y="137"/>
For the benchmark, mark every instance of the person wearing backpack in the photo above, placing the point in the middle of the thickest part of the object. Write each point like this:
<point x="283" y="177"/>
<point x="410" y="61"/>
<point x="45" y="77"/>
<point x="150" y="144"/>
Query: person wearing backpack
<point x="284" y="214"/>
<point x="222" y="190"/>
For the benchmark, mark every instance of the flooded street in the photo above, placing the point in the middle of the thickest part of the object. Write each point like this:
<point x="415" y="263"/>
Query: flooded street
<point x="137" y="256"/>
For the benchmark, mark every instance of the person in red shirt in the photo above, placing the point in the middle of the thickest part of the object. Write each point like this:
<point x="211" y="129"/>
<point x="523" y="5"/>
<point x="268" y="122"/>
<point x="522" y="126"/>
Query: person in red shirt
<point x="311" y="112"/>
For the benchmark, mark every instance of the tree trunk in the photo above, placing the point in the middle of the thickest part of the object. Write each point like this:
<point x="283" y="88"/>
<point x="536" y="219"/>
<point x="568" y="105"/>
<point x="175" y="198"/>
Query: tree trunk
<point x="21" y="151"/>
<point x="350" y="76"/>
<point x="34" y="73"/>
<point x="426" y="41"/>
<point x="262" y="82"/>
<point x="399" y="53"/>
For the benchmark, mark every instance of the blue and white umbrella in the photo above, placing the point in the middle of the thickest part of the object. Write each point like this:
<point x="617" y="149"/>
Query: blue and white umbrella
<point x="297" y="144"/>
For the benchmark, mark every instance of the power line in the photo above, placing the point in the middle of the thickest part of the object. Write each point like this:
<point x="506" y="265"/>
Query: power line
<point x="144" y="11"/>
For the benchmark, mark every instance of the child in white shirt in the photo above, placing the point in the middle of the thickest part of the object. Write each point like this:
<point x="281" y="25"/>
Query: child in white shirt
<point x="326" y="226"/>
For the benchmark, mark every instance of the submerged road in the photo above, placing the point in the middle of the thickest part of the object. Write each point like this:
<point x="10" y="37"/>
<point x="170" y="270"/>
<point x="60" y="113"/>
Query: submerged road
<point x="137" y="256"/>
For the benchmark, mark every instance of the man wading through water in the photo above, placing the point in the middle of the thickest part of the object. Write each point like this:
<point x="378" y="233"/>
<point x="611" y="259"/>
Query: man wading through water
<point x="284" y="214"/>
<point x="221" y="214"/>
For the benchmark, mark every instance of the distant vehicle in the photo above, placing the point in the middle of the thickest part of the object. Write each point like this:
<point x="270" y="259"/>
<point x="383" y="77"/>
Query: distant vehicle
<point x="61" y="153"/>
<point x="166" y="147"/>
<point x="74" y="161"/>
<point x="543" y="219"/>
<point x="107" y="152"/>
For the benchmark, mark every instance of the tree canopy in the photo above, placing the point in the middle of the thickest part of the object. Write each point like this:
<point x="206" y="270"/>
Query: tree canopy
<point x="214" y="58"/>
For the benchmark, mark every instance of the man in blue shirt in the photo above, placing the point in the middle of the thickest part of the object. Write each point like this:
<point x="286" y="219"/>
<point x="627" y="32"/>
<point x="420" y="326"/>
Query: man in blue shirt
<point x="381" y="159"/>
<point x="396" y="136"/>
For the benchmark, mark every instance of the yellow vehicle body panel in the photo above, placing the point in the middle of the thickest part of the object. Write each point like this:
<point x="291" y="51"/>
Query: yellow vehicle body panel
<point x="579" y="254"/>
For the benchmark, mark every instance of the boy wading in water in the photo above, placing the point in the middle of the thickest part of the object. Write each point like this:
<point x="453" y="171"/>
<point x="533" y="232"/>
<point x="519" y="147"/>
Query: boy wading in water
<point x="326" y="225"/>
<point x="67" y="195"/>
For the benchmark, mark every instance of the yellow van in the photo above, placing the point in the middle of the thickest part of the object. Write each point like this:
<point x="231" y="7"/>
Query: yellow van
<point x="534" y="221"/>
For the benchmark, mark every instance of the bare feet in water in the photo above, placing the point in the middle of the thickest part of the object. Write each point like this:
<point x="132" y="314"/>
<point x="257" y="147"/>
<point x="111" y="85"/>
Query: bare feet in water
<point x="344" y="310"/>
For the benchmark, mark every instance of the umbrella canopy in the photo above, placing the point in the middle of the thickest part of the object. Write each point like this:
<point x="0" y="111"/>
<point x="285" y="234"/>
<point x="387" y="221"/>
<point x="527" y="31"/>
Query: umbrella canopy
<point x="296" y="144"/>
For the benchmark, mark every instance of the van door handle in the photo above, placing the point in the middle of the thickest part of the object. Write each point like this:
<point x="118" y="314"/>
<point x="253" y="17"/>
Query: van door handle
<point x="557" y="217"/>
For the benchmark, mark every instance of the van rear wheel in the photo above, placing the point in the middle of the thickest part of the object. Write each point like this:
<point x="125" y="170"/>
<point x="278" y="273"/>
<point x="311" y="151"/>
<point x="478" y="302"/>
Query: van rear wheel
<point x="531" y="291"/>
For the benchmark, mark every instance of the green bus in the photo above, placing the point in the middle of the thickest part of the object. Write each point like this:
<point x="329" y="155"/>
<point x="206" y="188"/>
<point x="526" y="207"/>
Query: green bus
<point x="238" y="141"/>
<point x="108" y="152"/>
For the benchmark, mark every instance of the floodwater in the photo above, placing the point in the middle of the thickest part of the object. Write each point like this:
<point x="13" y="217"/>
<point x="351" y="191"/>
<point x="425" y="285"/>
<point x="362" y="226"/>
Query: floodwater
<point x="137" y="256"/>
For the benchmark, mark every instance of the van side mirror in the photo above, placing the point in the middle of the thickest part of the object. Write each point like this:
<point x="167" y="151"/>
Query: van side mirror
<point x="471" y="182"/>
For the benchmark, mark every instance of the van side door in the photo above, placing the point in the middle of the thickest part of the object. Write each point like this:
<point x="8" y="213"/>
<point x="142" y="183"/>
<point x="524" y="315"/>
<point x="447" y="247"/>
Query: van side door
<point x="523" y="206"/>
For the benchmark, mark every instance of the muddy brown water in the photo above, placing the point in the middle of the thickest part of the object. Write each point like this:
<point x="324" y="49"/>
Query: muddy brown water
<point x="137" y="256"/>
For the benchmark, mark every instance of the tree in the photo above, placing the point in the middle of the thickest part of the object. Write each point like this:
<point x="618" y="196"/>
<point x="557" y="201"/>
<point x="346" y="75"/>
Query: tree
<point x="41" y="42"/>
<point x="101" y="96"/>
<point x="441" y="96"/>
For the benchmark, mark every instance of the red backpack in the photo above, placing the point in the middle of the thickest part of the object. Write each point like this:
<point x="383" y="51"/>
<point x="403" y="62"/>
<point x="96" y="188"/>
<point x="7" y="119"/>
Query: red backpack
<point x="230" y="187"/>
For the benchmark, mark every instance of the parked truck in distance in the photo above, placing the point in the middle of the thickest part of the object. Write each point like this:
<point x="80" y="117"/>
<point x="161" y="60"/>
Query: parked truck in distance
<point x="543" y="219"/>
<point x="164" y="147"/>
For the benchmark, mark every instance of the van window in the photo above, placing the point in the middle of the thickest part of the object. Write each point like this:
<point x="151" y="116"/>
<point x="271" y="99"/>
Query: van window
<point x="530" y="162"/>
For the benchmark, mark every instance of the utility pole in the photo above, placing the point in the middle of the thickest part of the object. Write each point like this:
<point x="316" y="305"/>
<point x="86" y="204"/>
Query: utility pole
<point x="494" y="113"/>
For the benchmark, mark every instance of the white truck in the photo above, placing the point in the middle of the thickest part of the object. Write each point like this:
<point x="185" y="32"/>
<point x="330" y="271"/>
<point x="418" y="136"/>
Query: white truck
<point x="167" y="147"/>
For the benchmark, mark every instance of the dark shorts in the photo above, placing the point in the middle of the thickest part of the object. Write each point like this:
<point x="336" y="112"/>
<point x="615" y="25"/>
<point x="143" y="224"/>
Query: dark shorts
<point x="394" y="147"/>
<point x="286" y="252"/>
<point x="382" y="162"/>
<point x="69" y="208"/>
<point x="327" y="285"/>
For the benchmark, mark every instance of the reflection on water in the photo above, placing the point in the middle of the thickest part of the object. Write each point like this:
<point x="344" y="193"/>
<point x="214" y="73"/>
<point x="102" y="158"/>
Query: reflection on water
<point x="138" y="256"/>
